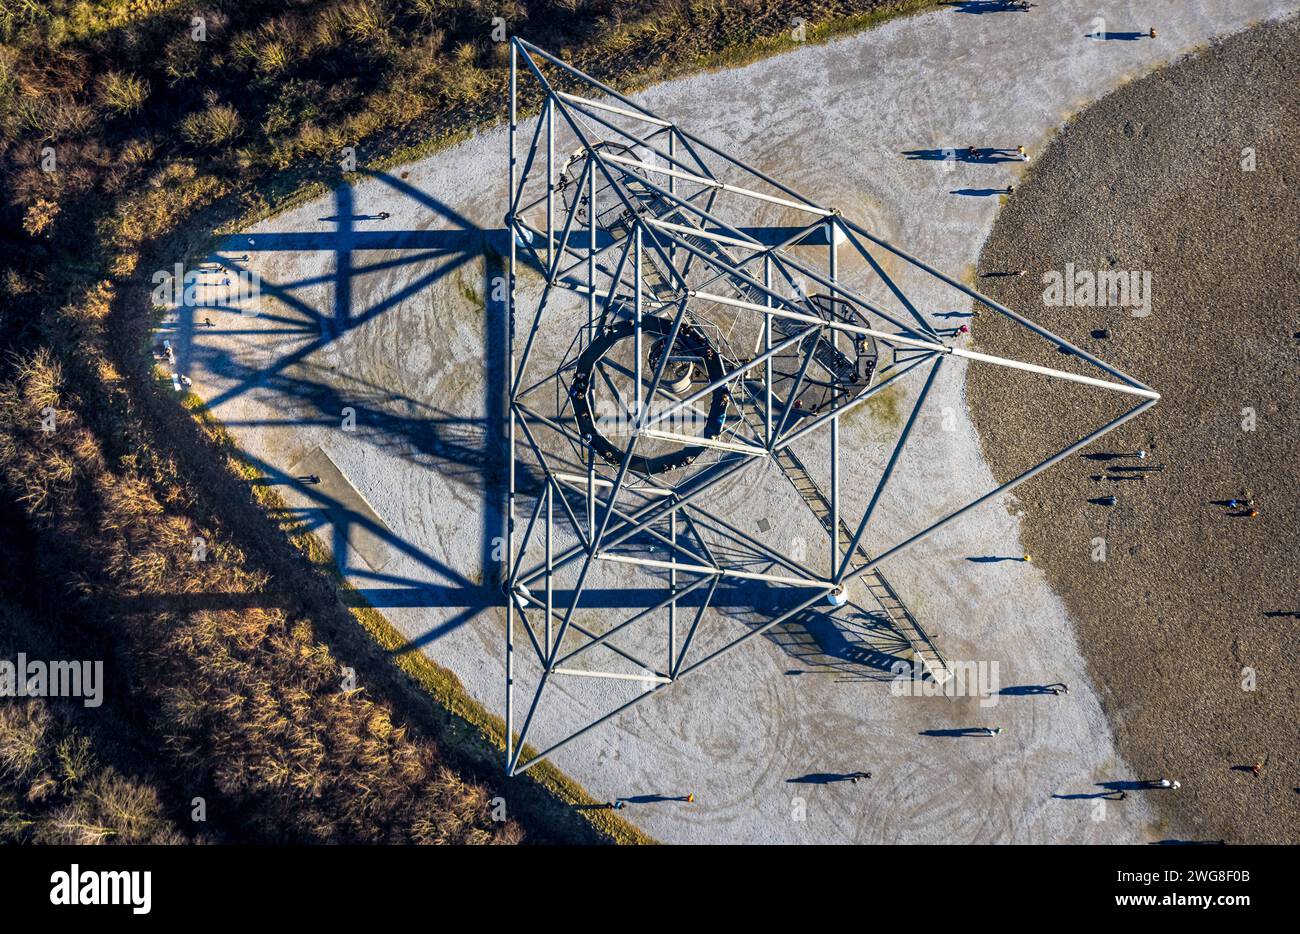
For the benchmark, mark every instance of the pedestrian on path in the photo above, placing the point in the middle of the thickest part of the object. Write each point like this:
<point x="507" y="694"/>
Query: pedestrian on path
<point x="1059" y="687"/>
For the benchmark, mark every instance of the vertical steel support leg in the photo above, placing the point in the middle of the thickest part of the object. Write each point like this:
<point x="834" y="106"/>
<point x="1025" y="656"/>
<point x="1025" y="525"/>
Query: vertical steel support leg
<point x="832" y="268"/>
<point x="835" y="495"/>
<point x="672" y="589"/>
<point x="550" y="564"/>
<point x="591" y="323"/>
<point x="672" y="187"/>
<point x="767" y="348"/>
<point x="510" y="338"/>
<point x="550" y="183"/>
<point x="636" y="260"/>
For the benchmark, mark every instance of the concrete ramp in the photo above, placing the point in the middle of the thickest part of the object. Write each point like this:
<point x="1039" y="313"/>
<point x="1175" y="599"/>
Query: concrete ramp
<point x="345" y="518"/>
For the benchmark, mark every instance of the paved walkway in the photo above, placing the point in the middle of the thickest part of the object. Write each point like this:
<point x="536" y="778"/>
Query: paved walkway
<point x="388" y="318"/>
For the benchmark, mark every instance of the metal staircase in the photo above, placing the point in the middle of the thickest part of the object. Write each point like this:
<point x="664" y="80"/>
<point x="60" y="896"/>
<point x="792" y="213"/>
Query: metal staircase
<point x="899" y="616"/>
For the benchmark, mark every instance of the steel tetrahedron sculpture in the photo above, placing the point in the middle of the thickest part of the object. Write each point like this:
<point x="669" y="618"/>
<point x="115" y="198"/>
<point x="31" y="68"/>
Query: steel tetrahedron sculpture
<point x="678" y="326"/>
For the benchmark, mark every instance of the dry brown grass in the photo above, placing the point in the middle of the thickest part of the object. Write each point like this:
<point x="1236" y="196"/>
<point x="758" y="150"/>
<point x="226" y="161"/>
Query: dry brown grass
<point x="247" y="708"/>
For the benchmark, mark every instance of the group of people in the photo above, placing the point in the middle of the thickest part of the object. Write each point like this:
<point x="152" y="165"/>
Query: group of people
<point x="1242" y="507"/>
<point x="974" y="153"/>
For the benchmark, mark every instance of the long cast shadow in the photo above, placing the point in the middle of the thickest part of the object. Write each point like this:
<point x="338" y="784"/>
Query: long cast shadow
<point x="469" y="450"/>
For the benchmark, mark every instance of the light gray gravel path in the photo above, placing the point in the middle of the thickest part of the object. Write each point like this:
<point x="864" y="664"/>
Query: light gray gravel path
<point x="407" y="324"/>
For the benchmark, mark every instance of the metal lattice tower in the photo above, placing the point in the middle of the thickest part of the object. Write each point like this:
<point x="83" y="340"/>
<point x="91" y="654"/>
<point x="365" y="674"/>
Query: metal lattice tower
<point x="681" y="335"/>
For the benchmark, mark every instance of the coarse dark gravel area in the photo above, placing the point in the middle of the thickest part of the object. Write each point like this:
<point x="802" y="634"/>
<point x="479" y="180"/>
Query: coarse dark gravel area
<point x="1191" y="622"/>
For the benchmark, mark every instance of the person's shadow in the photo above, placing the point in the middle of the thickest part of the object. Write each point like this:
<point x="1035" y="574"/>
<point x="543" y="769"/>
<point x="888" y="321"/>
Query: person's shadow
<point x="1030" y="690"/>
<point x="1116" y="36"/>
<point x="977" y="7"/>
<point x="971" y="155"/>
<point x="827" y="778"/>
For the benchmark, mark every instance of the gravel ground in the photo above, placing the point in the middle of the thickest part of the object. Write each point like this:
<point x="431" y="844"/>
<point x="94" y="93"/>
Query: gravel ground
<point x="1193" y="595"/>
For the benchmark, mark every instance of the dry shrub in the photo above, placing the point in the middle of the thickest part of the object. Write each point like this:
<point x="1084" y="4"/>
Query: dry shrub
<point x="53" y="789"/>
<point x="366" y="20"/>
<point x="215" y="126"/>
<point x="122" y="93"/>
<point x="22" y="737"/>
<point x="40" y="216"/>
